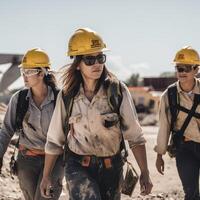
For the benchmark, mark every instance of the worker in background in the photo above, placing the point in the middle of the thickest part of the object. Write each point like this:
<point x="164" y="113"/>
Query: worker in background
<point x="180" y="121"/>
<point x="28" y="114"/>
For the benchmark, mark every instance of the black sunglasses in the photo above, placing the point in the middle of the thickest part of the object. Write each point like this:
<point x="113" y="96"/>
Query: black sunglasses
<point x="184" y="68"/>
<point x="90" y="60"/>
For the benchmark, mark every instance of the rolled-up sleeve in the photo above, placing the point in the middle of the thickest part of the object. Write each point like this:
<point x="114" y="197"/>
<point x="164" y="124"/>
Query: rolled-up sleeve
<point x="164" y="125"/>
<point x="131" y="128"/>
<point x="8" y="126"/>
<point x="56" y="136"/>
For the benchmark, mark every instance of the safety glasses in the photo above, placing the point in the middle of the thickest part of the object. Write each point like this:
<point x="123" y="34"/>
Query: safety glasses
<point x="90" y="60"/>
<point x="29" y="72"/>
<point x="184" y="68"/>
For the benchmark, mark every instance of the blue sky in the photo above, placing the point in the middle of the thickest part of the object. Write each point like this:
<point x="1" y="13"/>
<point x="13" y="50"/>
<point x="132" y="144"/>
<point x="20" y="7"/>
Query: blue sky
<point x="143" y="36"/>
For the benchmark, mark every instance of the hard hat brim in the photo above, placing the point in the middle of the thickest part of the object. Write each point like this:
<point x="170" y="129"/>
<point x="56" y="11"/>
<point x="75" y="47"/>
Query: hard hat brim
<point x="87" y="52"/>
<point x="187" y="63"/>
<point x="35" y="66"/>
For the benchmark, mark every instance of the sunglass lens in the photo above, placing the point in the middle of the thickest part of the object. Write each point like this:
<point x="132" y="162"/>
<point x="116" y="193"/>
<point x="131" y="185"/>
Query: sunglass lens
<point x="185" y="68"/>
<point x="188" y="68"/>
<point x="180" y="69"/>
<point x="89" y="60"/>
<point x="101" y="58"/>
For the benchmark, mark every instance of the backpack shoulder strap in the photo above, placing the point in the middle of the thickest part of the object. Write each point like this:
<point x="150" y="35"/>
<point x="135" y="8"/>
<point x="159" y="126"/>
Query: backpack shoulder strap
<point x="55" y="92"/>
<point x="22" y="107"/>
<point x="68" y="100"/>
<point x="175" y="107"/>
<point x="196" y="102"/>
<point x="114" y="94"/>
<point x="173" y="103"/>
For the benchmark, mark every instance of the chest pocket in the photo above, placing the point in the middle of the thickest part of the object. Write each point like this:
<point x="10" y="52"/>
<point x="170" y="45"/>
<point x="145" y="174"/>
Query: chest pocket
<point x="110" y="120"/>
<point x="75" y="119"/>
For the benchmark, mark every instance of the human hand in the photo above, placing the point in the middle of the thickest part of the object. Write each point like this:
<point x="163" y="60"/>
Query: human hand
<point x="160" y="164"/>
<point x="145" y="183"/>
<point x="46" y="188"/>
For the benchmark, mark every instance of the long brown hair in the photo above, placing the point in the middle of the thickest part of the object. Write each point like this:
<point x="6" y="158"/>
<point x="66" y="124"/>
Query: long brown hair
<point x="49" y="79"/>
<point x="72" y="77"/>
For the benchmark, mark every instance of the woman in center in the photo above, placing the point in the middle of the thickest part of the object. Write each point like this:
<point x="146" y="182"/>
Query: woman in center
<point x="88" y="123"/>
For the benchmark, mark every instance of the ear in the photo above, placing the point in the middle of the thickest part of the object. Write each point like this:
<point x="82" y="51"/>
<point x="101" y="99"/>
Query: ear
<point x="196" y="70"/>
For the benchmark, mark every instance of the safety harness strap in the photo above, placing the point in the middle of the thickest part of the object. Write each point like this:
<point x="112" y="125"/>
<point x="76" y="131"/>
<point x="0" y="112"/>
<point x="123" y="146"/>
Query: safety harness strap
<point x="173" y="104"/>
<point x="175" y="107"/>
<point x="22" y="107"/>
<point x="190" y="114"/>
<point x="183" y="109"/>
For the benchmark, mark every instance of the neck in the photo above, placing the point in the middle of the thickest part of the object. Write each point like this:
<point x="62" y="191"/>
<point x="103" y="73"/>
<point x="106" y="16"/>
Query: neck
<point x="90" y="85"/>
<point x="40" y="91"/>
<point x="187" y="86"/>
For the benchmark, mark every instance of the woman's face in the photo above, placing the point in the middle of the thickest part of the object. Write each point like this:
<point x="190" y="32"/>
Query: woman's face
<point x="91" y="65"/>
<point x="186" y="73"/>
<point x="32" y="77"/>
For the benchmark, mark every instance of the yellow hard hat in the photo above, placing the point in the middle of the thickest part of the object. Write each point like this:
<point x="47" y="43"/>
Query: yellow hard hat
<point x="187" y="55"/>
<point x="35" y="58"/>
<point x="85" y="41"/>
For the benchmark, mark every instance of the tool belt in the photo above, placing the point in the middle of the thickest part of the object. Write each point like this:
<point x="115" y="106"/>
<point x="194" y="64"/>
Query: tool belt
<point x="31" y="152"/>
<point x="91" y="160"/>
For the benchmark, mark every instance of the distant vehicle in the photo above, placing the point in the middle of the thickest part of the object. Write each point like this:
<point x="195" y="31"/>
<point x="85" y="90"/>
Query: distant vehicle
<point x="10" y="75"/>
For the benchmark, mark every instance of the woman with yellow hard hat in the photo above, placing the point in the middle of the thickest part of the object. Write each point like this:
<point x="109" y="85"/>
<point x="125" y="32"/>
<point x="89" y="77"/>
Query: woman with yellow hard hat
<point x="29" y="113"/>
<point x="180" y="121"/>
<point x="87" y="122"/>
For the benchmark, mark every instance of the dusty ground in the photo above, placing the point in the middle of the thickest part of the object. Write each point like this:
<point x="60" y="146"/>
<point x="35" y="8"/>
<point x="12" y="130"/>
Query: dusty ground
<point x="165" y="187"/>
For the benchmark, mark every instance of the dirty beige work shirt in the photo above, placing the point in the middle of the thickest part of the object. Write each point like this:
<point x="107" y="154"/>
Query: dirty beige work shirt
<point x="88" y="135"/>
<point x="35" y="124"/>
<point x="192" y="132"/>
